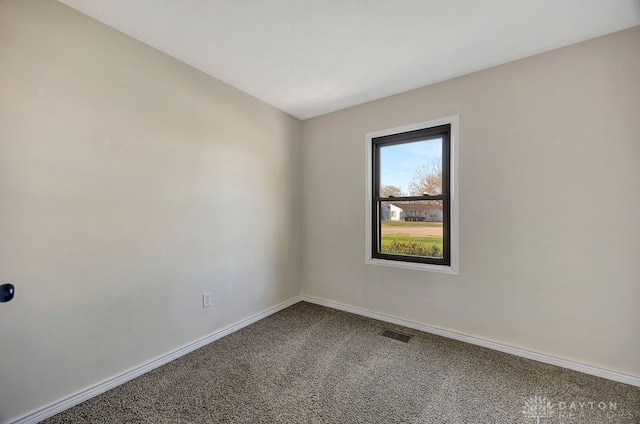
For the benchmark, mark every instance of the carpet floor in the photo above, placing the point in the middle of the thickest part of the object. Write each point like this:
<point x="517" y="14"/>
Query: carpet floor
<point x="310" y="364"/>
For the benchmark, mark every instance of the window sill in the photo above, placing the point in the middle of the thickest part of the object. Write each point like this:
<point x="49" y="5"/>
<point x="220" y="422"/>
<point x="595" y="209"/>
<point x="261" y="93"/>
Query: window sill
<point x="442" y="269"/>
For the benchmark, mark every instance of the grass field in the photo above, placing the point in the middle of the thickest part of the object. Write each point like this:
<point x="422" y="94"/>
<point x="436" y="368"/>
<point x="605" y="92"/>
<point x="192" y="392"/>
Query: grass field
<point x="388" y="238"/>
<point x="414" y="233"/>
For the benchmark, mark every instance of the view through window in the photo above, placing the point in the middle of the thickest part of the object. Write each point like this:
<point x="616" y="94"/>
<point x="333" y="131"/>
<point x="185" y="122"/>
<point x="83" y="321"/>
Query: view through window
<point x="411" y="196"/>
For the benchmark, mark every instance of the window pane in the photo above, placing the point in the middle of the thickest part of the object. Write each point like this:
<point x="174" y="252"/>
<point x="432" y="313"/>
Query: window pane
<point x="411" y="228"/>
<point x="411" y="169"/>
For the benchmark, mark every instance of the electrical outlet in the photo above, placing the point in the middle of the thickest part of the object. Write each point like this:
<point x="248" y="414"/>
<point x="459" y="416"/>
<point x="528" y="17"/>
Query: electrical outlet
<point x="206" y="300"/>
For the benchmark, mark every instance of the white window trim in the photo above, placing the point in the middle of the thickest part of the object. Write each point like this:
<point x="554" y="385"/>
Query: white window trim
<point x="445" y="269"/>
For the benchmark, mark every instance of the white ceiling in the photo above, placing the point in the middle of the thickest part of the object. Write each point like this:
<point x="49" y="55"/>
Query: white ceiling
<point x="310" y="57"/>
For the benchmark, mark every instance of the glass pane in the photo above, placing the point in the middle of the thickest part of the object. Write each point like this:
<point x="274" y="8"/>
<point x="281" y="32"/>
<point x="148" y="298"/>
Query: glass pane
<point x="411" y="169"/>
<point x="411" y="228"/>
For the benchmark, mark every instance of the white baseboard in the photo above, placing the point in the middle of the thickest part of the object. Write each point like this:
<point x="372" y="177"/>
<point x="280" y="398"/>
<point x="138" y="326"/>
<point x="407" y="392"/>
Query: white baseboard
<point x="73" y="400"/>
<point x="529" y="354"/>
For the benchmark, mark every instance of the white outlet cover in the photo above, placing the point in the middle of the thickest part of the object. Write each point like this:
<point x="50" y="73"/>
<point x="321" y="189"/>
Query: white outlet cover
<point x="206" y="300"/>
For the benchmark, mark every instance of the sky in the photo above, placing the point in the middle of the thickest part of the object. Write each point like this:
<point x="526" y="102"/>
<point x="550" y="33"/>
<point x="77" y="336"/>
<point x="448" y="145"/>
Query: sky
<point x="398" y="163"/>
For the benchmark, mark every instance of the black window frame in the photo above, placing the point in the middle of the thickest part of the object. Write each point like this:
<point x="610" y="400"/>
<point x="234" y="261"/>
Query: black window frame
<point x="429" y="133"/>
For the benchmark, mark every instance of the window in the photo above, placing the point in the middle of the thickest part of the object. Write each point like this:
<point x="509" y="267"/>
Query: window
<point x="412" y="172"/>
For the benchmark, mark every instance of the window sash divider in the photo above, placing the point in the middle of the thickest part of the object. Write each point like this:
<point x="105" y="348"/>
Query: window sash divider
<point x="409" y="198"/>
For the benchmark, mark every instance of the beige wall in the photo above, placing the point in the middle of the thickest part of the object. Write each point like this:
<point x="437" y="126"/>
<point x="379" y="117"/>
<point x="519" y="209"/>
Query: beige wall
<point x="130" y="184"/>
<point x="549" y="205"/>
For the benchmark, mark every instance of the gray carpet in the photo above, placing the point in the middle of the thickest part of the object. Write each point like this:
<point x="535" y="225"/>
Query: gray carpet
<point x="310" y="364"/>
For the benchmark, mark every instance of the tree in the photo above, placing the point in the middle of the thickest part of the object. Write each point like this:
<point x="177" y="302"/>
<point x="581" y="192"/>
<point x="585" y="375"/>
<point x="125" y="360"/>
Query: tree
<point x="390" y="190"/>
<point x="427" y="179"/>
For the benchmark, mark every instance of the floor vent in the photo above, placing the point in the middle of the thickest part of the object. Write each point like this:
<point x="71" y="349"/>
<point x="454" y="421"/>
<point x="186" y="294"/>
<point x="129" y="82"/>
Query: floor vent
<point x="396" y="336"/>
